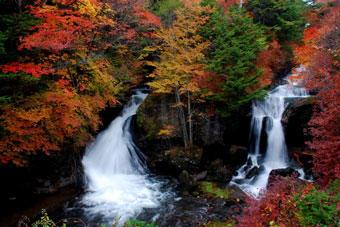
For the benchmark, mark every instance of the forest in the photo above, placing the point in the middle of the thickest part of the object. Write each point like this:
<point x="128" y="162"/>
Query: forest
<point x="153" y="113"/>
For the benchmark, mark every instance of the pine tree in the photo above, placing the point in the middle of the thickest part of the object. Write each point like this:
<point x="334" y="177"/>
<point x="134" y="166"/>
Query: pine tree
<point x="285" y="17"/>
<point x="236" y="43"/>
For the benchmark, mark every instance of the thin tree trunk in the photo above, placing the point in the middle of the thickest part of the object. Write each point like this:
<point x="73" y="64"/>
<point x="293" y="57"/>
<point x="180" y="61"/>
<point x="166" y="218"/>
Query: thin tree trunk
<point x="241" y="3"/>
<point x="189" y="118"/>
<point x="181" y="117"/>
<point x="20" y="6"/>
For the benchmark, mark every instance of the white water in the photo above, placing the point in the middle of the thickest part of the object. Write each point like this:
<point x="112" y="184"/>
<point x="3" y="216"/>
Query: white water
<point x="117" y="181"/>
<point x="276" y="157"/>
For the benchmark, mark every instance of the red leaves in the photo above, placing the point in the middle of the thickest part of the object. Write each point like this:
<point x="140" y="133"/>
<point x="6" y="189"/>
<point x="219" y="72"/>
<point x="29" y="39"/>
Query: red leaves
<point x="78" y="85"/>
<point x="318" y="56"/>
<point x="147" y="18"/>
<point x="270" y="60"/>
<point x="275" y="207"/>
<point x="35" y="70"/>
<point x="61" y="29"/>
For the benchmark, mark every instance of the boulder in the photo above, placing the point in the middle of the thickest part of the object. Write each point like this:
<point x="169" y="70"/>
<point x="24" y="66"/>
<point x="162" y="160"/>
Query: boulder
<point x="253" y="172"/>
<point x="236" y="156"/>
<point x="283" y="173"/>
<point x="187" y="181"/>
<point x="295" y="122"/>
<point x="219" y="172"/>
<point x="174" y="161"/>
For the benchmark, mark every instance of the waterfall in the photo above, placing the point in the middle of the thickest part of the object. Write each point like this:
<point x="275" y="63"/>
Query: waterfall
<point x="267" y="149"/>
<point x="118" y="185"/>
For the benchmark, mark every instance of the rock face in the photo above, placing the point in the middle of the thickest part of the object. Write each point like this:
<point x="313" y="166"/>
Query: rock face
<point x="295" y="121"/>
<point x="221" y="140"/>
<point x="175" y="161"/>
<point x="158" y="112"/>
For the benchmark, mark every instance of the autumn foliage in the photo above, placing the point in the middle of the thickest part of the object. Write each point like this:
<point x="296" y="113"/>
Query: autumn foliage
<point x="292" y="202"/>
<point x="274" y="207"/>
<point x="320" y="58"/>
<point x="68" y="74"/>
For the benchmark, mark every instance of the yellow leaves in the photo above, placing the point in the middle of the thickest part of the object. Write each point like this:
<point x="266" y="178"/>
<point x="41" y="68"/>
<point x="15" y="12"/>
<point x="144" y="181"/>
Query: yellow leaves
<point x="150" y="49"/>
<point x="182" y="50"/>
<point x="146" y="51"/>
<point x="167" y="131"/>
<point x="206" y="94"/>
<point x="177" y="105"/>
<point x="35" y="115"/>
<point x="89" y="7"/>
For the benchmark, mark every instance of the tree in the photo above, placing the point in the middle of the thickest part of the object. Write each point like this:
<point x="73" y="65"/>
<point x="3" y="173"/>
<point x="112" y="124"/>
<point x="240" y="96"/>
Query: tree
<point x="181" y="52"/>
<point x="70" y="69"/>
<point x="320" y="57"/>
<point x="236" y="42"/>
<point x="284" y="17"/>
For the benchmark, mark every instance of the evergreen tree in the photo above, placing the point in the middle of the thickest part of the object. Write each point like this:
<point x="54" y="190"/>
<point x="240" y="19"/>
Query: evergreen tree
<point x="236" y="43"/>
<point x="285" y="17"/>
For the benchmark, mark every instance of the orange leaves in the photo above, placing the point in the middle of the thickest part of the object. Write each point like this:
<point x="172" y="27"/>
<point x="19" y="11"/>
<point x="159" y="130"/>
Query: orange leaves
<point x="270" y="60"/>
<point x="76" y="80"/>
<point x="167" y="131"/>
<point x="310" y="35"/>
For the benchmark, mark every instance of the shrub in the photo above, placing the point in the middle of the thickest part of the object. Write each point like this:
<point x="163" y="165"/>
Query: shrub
<point x="319" y="207"/>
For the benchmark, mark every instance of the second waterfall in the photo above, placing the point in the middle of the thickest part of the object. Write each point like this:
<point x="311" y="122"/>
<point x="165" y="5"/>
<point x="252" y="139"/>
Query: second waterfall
<point x="267" y="149"/>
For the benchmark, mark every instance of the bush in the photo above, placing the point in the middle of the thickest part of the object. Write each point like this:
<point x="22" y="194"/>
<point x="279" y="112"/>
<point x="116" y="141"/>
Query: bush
<point x="136" y="223"/>
<point x="289" y="202"/>
<point x="319" y="207"/>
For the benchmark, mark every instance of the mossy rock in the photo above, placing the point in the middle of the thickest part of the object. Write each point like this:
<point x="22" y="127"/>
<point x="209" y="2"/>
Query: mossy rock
<point x="210" y="189"/>
<point x="218" y="224"/>
<point x="178" y="159"/>
<point x="156" y="114"/>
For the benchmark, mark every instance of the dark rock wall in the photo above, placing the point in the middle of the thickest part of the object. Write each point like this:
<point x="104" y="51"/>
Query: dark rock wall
<point x="295" y="122"/>
<point x="220" y="141"/>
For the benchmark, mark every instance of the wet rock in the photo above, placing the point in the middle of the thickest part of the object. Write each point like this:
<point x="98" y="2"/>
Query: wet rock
<point x="201" y="175"/>
<point x="236" y="156"/>
<point x="303" y="157"/>
<point x="187" y="181"/>
<point x="174" y="161"/>
<point x="283" y="173"/>
<point x="253" y="172"/>
<point x="237" y="196"/>
<point x="295" y="121"/>
<point x="219" y="172"/>
<point x="267" y="124"/>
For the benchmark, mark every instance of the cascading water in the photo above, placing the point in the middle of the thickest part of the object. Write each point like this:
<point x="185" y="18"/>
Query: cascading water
<point x="252" y="177"/>
<point x="117" y="181"/>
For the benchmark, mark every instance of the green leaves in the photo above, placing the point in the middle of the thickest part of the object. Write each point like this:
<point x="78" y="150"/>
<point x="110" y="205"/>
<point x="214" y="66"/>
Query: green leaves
<point x="236" y="43"/>
<point x="319" y="207"/>
<point x="283" y="17"/>
<point x="12" y="27"/>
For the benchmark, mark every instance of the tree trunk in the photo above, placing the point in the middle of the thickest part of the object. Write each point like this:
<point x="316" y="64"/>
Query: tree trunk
<point x="189" y="118"/>
<point x="20" y="5"/>
<point x="181" y="117"/>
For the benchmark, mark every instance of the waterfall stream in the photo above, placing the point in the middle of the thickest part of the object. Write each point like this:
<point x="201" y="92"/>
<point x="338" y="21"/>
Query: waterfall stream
<point x="117" y="181"/>
<point x="266" y="128"/>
